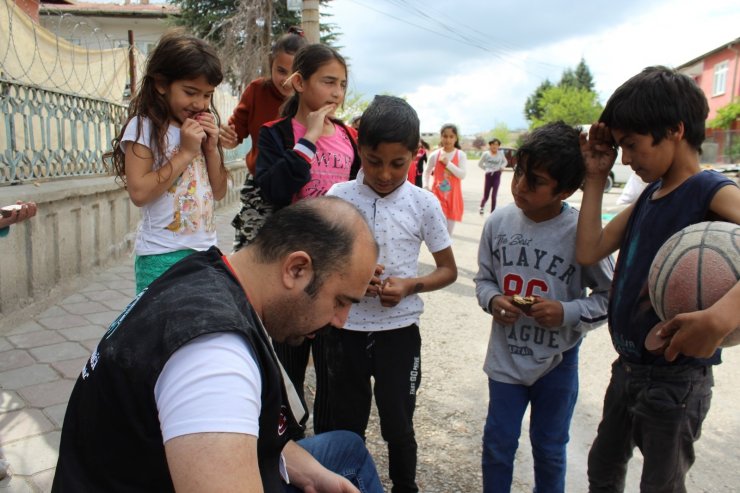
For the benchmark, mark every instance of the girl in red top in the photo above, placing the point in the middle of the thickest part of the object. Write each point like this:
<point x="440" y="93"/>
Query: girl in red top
<point x="260" y="103"/>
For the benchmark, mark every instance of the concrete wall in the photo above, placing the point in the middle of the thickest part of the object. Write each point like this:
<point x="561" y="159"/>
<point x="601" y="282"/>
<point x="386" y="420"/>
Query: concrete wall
<point x="81" y="224"/>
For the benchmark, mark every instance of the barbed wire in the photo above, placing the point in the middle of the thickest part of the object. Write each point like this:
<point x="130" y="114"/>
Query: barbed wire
<point x="97" y="67"/>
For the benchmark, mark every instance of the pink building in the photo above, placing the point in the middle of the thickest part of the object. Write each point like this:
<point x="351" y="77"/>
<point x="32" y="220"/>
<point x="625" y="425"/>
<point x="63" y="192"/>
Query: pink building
<point x="717" y="73"/>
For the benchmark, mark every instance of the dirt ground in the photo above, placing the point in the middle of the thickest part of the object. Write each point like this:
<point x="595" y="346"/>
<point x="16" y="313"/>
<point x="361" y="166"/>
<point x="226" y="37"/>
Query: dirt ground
<point x="453" y="398"/>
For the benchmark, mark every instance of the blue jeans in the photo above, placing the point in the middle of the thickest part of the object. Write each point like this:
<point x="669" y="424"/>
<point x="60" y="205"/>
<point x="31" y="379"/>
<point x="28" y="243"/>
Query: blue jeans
<point x="344" y="453"/>
<point x="553" y="398"/>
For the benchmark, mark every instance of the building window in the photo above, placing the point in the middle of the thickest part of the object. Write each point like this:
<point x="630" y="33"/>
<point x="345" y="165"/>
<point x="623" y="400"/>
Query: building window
<point x="720" y="78"/>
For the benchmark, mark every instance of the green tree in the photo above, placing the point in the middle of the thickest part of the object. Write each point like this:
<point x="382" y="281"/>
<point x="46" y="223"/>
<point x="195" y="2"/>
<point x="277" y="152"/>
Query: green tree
<point x="726" y="116"/>
<point x="569" y="104"/>
<point x="532" y="106"/>
<point x="354" y="104"/>
<point x="580" y="78"/>
<point x="501" y="132"/>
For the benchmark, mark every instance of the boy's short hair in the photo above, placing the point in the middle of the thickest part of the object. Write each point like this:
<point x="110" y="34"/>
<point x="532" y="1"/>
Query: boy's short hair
<point x="494" y="141"/>
<point x="655" y="101"/>
<point x="389" y="119"/>
<point x="554" y="148"/>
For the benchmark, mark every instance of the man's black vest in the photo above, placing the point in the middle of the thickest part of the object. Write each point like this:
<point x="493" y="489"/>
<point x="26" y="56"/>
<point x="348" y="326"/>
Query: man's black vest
<point x="111" y="438"/>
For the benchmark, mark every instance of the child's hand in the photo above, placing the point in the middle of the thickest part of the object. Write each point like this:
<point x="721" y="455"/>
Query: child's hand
<point x="547" y="313"/>
<point x="697" y="334"/>
<point x="599" y="150"/>
<point x="375" y="286"/>
<point x="208" y="122"/>
<point x="227" y="135"/>
<point x="192" y="136"/>
<point x="394" y="289"/>
<point x="316" y="120"/>
<point x="21" y="212"/>
<point x="503" y="310"/>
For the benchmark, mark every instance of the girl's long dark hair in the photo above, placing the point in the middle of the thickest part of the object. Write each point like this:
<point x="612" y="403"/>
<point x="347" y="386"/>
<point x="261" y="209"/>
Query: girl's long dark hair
<point x="177" y="56"/>
<point x="307" y="61"/>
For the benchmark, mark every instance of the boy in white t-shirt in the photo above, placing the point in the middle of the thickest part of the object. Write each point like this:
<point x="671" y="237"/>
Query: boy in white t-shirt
<point x="381" y="338"/>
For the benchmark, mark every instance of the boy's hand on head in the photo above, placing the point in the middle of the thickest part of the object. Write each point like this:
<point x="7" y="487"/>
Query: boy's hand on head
<point x="192" y="136"/>
<point x="227" y="135"/>
<point x="547" y="313"/>
<point x="394" y="289"/>
<point x="696" y="334"/>
<point x="599" y="150"/>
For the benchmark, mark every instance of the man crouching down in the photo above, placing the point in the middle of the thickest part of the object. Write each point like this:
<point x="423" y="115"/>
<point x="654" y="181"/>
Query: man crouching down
<point x="184" y="392"/>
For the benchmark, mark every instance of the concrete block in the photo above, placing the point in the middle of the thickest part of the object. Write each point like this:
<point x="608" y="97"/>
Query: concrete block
<point x="70" y="368"/>
<point x="10" y="401"/>
<point x="23" y="328"/>
<point x="30" y="375"/>
<point x="5" y="344"/>
<point x="16" y="484"/>
<point x="36" y="339"/>
<point x="15" y="358"/>
<point x="85" y="308"/>
<point x="47" y="394"/>
<point x="58" y="352"/>
<point x="34" y="455"/>
<point x="83" y="333"/>
<point x="105" y="294"/>
<point x="63" y="322"/>
<point x="43" y="480"/>
<point x="24" y="423"/>
<point x="56" y="414"/>
<point x="102" y="318"/>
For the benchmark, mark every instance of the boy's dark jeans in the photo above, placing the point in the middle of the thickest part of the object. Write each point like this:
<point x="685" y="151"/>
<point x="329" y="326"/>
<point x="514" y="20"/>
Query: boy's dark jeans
<point x="660" y="409"/>
<point x="392" y="358"/>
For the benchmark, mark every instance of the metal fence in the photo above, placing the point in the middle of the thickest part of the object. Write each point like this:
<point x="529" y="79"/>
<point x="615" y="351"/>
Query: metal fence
<point x="722" y="146"/>
<point x="48" y="134"/>
<point x="62" y="104"/>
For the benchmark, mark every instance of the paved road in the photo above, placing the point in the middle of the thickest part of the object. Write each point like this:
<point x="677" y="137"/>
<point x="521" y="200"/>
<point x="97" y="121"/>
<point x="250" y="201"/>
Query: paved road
<point x="43" y="348"/>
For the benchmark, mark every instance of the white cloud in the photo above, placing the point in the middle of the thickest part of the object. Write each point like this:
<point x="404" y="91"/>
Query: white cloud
<point x="525" y="42"/>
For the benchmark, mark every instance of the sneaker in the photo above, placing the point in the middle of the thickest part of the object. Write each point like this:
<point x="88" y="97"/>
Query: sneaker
<point x="480" y="211"/>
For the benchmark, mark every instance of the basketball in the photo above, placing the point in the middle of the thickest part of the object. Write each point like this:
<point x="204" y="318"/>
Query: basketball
<point x="694" y="268"/>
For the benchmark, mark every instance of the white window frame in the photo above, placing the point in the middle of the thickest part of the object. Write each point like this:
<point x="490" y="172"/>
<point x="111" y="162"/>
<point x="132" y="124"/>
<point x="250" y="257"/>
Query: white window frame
<point x="719" y="85"/>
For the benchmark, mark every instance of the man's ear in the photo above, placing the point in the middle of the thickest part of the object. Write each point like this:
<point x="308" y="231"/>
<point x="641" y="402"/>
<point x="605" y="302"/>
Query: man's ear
<point x="297" y="270"/>
<point x="677" y="133"/>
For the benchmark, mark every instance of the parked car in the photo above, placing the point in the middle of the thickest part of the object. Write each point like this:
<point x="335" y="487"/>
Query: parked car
<point x="510" y="155"/>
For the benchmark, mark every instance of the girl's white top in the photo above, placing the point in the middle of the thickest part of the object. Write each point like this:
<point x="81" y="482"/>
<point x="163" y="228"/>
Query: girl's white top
<point x="183" y="217"/>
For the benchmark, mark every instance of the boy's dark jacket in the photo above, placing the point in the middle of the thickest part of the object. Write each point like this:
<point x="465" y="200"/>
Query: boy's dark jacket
<point x="281" y="171"/>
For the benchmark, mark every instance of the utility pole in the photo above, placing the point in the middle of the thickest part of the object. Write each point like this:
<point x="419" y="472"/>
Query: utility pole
<point x="310" y="16"/>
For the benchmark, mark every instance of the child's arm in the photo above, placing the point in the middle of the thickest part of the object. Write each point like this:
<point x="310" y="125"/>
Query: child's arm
<point x="593" y="242"/>
<point x="281" y="173"/>
<point x="395" y="289"/>
<point x="431" y="164"/>
<point x="458" y="170"/>
<point x="146" y="184"/>
<point x="483" y="160"/>
<point x="217" y="174"/>
<point x="700" y="333"/>
<point x="583" y="314"/>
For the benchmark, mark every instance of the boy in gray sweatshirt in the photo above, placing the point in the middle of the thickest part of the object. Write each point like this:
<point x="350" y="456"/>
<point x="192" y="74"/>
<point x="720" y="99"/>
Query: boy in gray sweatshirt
<point x="529" y="280"/>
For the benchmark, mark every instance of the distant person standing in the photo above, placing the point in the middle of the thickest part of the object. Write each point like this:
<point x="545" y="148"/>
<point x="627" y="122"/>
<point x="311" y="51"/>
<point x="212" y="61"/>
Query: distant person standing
<point x="492" y="162"/>
<point x="416" y="170"/>
<point x="447" y="167"/>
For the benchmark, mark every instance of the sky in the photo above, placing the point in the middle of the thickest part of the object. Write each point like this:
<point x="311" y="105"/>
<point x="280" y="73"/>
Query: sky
<point x="475" y="62"/>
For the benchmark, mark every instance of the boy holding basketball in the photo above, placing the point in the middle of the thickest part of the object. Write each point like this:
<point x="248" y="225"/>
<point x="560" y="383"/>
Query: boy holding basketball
<point x="657" y="402"/>
<point x="529" y="280"/>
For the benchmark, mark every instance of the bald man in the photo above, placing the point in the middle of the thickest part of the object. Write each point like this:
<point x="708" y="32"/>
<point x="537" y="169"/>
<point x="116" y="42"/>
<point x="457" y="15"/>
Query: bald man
<point x="184" y="392"/>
